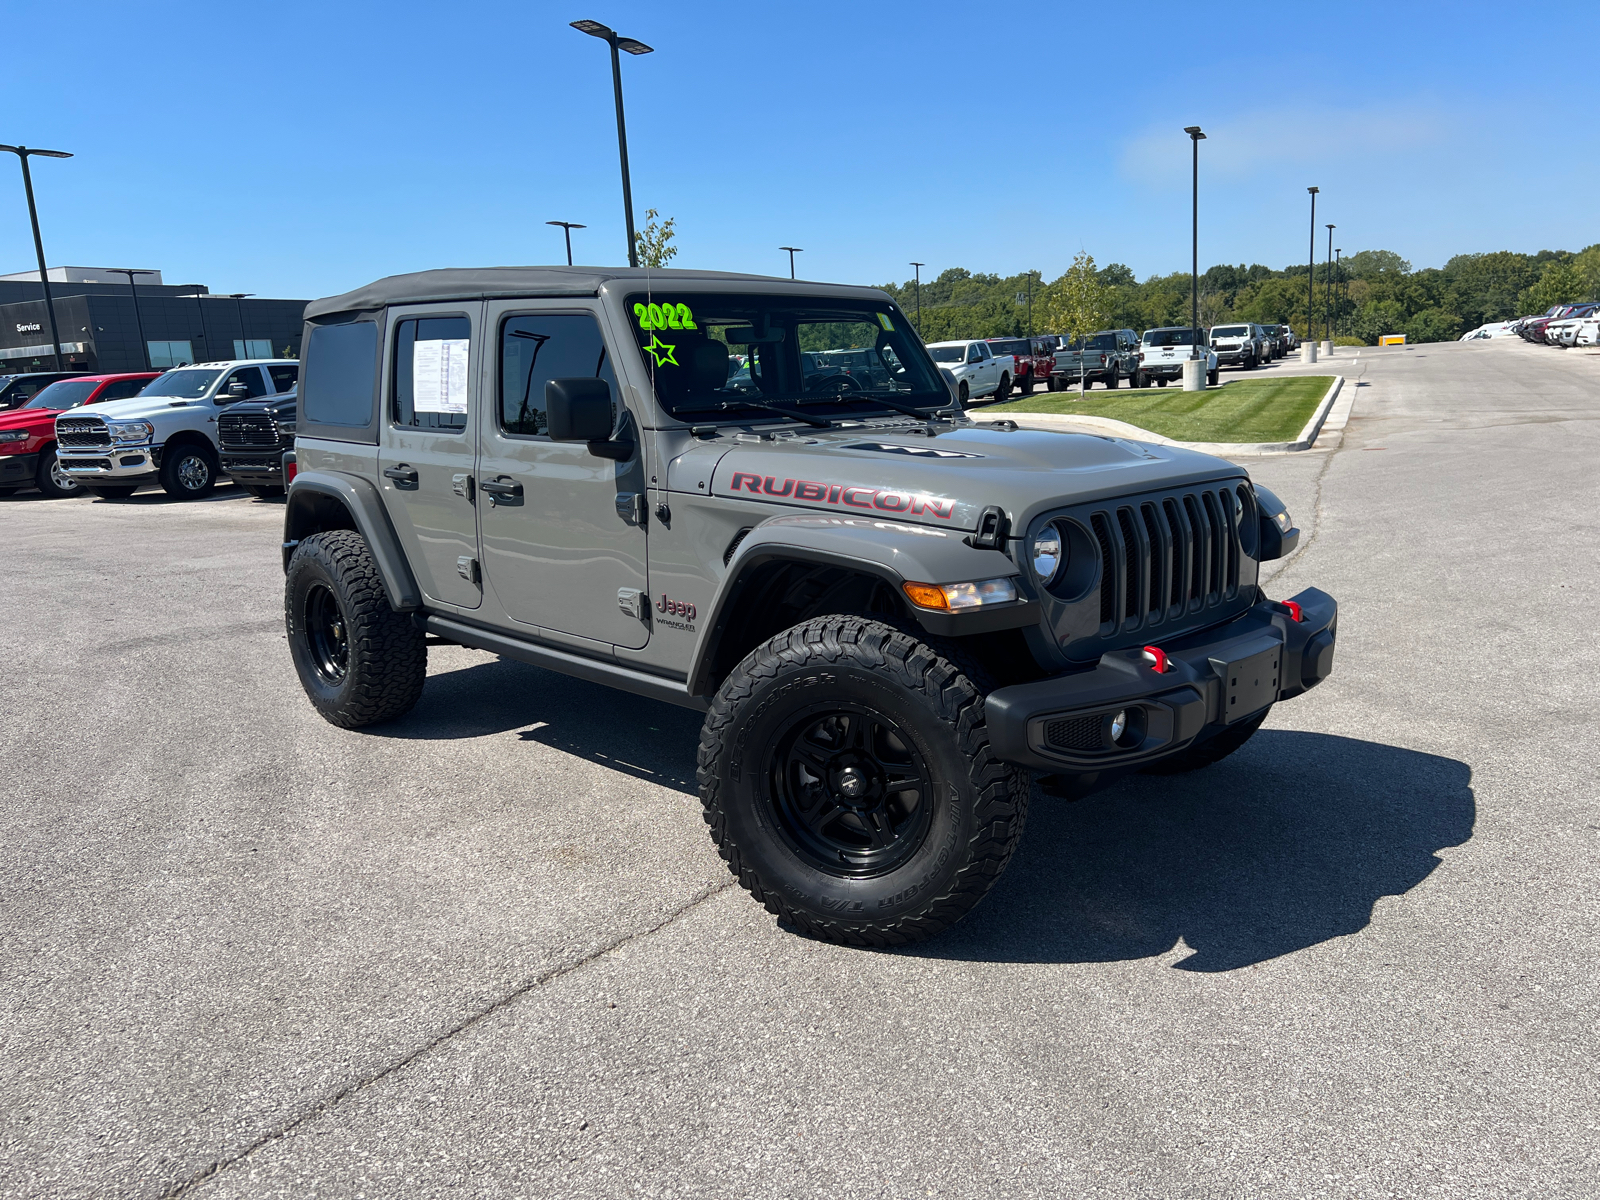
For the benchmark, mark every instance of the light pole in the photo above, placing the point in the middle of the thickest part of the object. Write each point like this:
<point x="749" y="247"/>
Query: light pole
<point x="567" y="227"/>
<point x="201" y="309"/>
<point x="616" y="42"/>
<point x="918" y="268"/>
<point x="144" y="346"/>
<point x="793" y="250"/>
<point x="1327" y="290"/>
<point x="1311" y="279"/>
<point x="1030" y="303"/>
<point x="1338" y="288"/>
<point x="238" y="311"/>
<point x="1196" y="137"/>
<point x="22" y="153"/>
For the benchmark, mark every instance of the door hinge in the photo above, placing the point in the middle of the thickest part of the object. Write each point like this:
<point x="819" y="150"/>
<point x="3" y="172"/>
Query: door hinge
<point x="631" y="507"/>
<point x="467" y="568"/>
<point x="462" y="486"/>
<point x="631" y="601"/>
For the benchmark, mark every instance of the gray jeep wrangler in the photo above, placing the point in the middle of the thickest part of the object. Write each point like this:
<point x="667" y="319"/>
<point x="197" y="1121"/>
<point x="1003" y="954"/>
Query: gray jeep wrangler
<point x="760" y="499"/>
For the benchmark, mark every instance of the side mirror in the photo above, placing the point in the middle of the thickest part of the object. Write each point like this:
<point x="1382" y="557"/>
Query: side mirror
<point x="239" y="391"/>
<point x="579" y="410"/>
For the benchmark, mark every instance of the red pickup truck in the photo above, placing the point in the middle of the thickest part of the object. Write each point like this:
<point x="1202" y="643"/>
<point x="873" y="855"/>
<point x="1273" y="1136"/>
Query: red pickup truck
<point x="28" y="434"/>
<point x="1035" y="360"/>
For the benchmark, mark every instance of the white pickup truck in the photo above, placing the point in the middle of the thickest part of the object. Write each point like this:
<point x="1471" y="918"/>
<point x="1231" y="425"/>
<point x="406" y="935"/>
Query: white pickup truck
<point x="1162" y="353"/>
<point x="168" y="432"/>
<point x="977" y="369"/>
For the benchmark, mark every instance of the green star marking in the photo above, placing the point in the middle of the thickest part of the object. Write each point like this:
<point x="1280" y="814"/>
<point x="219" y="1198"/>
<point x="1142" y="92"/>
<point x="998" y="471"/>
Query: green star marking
<point x="663" y="353"/>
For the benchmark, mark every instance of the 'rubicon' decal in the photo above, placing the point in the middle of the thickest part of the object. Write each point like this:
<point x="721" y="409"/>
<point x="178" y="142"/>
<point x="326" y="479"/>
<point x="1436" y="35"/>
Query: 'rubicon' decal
<point x="882" y="499"/>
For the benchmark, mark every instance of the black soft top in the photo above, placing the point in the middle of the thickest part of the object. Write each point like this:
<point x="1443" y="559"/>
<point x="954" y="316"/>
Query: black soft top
<point x="477" y="283"/>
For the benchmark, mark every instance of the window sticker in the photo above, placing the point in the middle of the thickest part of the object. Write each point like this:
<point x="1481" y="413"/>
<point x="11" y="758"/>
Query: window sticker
<point x="664" y="316"/>
<point x="883" y="319"/>
<point x="439" y="375"/>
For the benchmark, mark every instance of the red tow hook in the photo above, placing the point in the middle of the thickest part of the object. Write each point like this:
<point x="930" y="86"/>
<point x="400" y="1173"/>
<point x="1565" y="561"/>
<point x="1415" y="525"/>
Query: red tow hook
<point x="1157" y="658"/>
<point x="1295" y="614"/>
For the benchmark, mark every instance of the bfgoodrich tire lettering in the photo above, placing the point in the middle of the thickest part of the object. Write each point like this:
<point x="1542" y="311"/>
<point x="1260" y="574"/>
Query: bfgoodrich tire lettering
<point x="359" y="661"/>
<point x="968" y="812"/>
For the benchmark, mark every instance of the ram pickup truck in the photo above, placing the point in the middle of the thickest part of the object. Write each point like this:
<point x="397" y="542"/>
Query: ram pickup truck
<point x="167" y="433"/>
<point x="978" y="370"/>
<point x="1034" y="359"/>
<point x="254" y="436"/>
<point x="1162" y="353"/>
<point x="28" y="434"/>
<point x="892" y="618"/>
<point x="1107" y="357"/>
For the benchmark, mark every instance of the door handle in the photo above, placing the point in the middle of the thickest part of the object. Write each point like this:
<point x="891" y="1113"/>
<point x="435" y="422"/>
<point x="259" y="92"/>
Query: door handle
<point x="401" y="474"/>
<point x="502" y="490"/>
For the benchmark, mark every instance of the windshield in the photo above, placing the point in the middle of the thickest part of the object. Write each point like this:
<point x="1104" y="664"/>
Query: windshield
<point x="189" y="385"/>
<point x="1169" y="337"/>
<point x="69" y="393"/>
<point x="948" y="354"/>
<point x="1098" y="341"/>
<point x="1231" y="331"/>
<point x="827" y="356"/>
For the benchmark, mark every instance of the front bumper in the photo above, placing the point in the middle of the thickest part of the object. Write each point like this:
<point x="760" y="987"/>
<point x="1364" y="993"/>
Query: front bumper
<point x="1232" y="356"/>
<point x="1214" y="679"/>
<point x="116" y="464"/>
<point x="17" y="470"/>
<point x="261" y="466"/>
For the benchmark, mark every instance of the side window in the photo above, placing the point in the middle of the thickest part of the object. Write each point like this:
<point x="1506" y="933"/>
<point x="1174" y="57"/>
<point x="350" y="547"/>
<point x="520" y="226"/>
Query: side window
<point x="431" y="373"/>
<point x="341" y="368"/>
<point x="121" y="389"/>
<point x="250" y="377"/>
<point x="536" y="349"/>
<point x="284" y="378"/>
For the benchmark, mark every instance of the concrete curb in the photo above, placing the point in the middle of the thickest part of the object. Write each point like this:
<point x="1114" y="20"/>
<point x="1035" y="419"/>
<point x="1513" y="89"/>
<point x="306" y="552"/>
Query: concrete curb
<point x="1107" y="427"/>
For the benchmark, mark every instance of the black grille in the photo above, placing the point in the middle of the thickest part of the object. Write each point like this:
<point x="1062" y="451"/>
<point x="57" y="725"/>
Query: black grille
<point x="1075" y="733"/>
<point x="247" y="429"/>
<point x="81" y="431"/>
<point x="1168" y="556"/>
<point x="103" y="463"/>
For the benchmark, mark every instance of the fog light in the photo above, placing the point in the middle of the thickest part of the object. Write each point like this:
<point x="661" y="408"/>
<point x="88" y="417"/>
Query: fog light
<point x="1119" y="726"/>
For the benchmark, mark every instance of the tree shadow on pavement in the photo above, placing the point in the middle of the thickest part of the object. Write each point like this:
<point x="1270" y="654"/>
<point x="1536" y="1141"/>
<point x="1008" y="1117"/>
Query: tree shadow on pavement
<point x="1287" y="843"/>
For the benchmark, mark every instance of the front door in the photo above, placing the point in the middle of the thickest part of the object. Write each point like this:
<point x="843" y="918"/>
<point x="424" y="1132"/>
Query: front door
<point x="425" y="463"/>
<point x="562" y="533"/>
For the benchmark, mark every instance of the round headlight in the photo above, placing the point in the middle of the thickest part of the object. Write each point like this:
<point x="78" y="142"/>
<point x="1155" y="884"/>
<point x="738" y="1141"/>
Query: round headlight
<point x="1047" y="555"/>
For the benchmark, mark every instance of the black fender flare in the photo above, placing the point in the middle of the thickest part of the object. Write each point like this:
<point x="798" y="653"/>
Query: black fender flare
<point x="307" y="512"/>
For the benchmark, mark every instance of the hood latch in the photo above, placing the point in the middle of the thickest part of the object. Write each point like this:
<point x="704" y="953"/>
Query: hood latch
<point x="991" y="533"/>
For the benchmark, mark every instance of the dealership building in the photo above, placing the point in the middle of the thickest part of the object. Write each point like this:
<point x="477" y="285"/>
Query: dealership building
<point x="101" y="328"/>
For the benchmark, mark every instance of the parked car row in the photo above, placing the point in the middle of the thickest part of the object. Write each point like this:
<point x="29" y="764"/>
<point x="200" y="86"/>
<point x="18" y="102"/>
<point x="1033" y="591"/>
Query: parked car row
<point x="109" y="434"/>
<point x="1563" y="325"/>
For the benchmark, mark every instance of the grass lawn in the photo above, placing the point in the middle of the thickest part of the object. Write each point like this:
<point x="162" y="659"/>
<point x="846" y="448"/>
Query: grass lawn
<point x="1243" y="410"/>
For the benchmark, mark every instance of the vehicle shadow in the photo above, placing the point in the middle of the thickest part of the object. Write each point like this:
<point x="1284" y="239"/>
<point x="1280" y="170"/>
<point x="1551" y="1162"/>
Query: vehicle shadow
<point x="1287" y="843"/>
<point x="151" y="495"/>
<point x="646" y="738"/>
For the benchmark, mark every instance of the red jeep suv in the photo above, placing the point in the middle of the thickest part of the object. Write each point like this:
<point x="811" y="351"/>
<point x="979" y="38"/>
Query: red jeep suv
<point x="28" y="434"/>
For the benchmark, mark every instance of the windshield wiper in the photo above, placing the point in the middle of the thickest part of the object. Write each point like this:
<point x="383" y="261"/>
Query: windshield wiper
<point x="869" y="398"/>
<point x="729" y="405"/>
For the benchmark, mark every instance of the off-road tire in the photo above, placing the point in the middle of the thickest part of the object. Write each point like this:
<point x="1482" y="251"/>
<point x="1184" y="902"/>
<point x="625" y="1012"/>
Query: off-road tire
<point x="180" y="479"/>
<point x="1112" y="380"/>
<point x="386" y="656"/>
<point x="120" y="492"/>
<point x="1141" y="380"/>
<point x="44" y="478"/>
<point x="1161" y="382"/>
<point x="976" y="805"/>
<point x="1214" y="376"/>
<point x="1003" y="392"/>
<point x="1211" y="751"/>
<point x="1026" y="386"/>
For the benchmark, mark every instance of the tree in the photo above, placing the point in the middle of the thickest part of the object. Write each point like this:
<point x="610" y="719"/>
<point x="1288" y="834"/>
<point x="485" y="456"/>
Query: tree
<point x="1433" y="325"/>
<point x="1078" y="303"/>
<point x="1561" y="283"/>
<point x="652" y="242"/>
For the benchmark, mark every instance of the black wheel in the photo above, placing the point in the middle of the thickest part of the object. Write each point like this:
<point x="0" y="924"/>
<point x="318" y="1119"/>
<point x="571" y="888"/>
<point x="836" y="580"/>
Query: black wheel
<point x="1211" y="751"/>
<point x="120" y="492"/>
<point x="52" y="480"/>
<point x="188" y="472"/>
<point x="1052" y="384"/>
<point x="262" y="491"/>
<point x="1112" y="380"/>
<point x="1251" y="363"/>
<point x="962" y="392"/>
<point x="359" y="660"/>
<point x="1003" y="392"/>
<point x="1141" y="380"/>
<point x="847" y="778"/>
<point x="1162" y="382"/>
<point x="1026" y="386"/>
<point x="1214" y="376"/>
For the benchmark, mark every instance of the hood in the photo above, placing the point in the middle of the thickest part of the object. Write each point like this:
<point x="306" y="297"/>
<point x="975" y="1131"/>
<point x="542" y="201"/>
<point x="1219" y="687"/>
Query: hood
<point x="281" y="405"/>
<point x="945" y="480"/>
<point x="137" y="408"/>
<point x="14" y="418"/>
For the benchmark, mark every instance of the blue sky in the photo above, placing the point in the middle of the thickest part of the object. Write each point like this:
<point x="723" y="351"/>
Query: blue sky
<point x="302" y="149"/>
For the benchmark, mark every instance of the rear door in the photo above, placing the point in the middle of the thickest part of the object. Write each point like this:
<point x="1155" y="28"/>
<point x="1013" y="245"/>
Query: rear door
<point x="563" y="531"/>
<point x="425" y="459"/>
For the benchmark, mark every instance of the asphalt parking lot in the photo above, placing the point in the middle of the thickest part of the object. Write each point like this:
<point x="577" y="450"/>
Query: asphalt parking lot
<point x="489" y="950"/>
